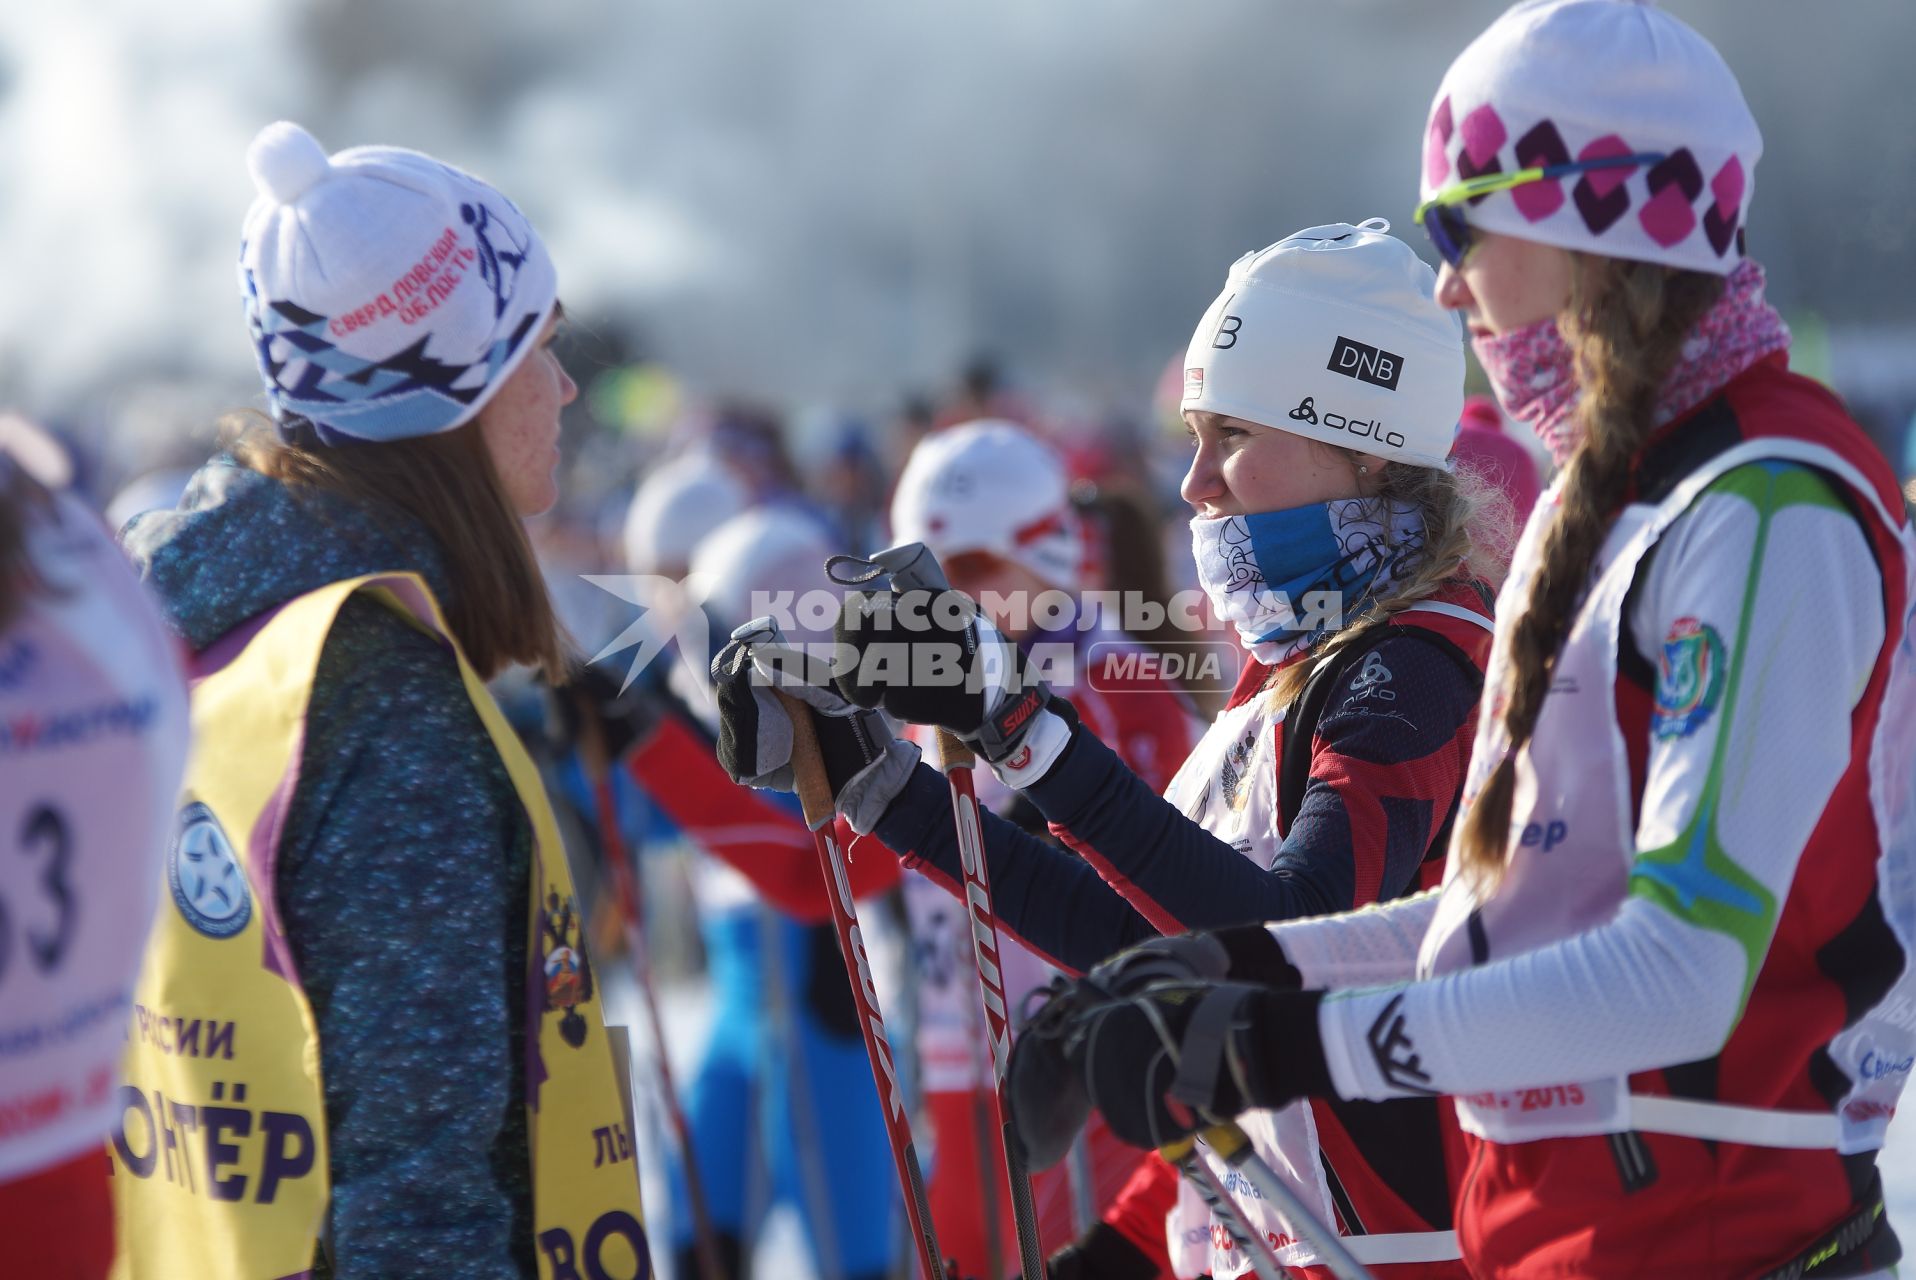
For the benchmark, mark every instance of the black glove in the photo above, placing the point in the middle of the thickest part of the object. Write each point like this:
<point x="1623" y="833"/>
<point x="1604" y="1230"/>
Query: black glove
<point x="1241" y="953"/>
<point x="1050" y="1097"/>
<point x="1046" y="1101"/>
<point x="1176" y="1057"/>
<point x="1102" y="1253"/>
<point x="931" y="658"/>
<point x="865" y="763"/>
<point x="625" y="717"/>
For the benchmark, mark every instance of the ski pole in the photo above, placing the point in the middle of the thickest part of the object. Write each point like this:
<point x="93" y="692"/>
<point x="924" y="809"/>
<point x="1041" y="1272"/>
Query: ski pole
<point x="1233" y="1146"/>
<point x="1183" y="1156"/>
<point x="984" y="1116"/>
<point x="814" y="1185"/>
<point x="626" y="888"/>
<point x="815" y="795"/>
<point x="1084" y="1208"/>
<point x="956" y="759"/>
<point x="912" y="567"/>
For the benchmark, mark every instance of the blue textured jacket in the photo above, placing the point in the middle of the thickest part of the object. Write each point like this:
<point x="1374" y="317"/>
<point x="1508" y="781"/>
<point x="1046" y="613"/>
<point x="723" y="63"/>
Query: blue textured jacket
<point x="402" y="880"/>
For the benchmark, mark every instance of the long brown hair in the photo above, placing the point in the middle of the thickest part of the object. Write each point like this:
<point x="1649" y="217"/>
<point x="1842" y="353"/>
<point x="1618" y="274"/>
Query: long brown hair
<point x="1626" y="322"/>
<point x="500" y="610"/>
<point x="1467" y="528"/>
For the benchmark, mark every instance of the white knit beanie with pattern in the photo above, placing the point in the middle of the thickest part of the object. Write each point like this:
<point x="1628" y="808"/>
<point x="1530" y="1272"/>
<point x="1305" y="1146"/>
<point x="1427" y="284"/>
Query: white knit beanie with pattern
<point x="1558" y="81"/>
<point x="388" y="295"/>
<point x="1334" y="333"/>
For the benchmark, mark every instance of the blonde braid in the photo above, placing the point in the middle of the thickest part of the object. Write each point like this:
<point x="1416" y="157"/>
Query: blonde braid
<point x="1626" y="323"/>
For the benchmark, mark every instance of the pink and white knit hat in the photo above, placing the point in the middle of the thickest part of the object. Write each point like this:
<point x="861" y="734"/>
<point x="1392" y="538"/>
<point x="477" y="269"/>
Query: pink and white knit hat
<point x="1556" y="81"/>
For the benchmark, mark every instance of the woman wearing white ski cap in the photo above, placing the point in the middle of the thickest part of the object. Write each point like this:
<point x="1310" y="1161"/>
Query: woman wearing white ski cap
<point x="1667" y="975"/>
<point x="368" y="952"/>
<point x="1321" y="389"/>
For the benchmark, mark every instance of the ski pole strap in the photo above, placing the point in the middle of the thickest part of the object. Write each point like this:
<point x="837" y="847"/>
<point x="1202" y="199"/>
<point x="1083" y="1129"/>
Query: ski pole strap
<point x="1827" y="1257"/>
<point x="1202" y="1048"/>
<point x="1004" y="728"/>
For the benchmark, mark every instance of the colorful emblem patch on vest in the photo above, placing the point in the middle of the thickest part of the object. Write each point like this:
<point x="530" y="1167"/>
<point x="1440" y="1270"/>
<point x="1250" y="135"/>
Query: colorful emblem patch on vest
<point x="208" y="883"/>
<point x="1690" y="674"/>
<point x="567" y="971"/>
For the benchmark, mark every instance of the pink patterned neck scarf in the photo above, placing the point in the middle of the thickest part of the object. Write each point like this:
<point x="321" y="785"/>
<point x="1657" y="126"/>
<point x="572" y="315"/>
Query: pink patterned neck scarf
<point x="1534" y="376"/>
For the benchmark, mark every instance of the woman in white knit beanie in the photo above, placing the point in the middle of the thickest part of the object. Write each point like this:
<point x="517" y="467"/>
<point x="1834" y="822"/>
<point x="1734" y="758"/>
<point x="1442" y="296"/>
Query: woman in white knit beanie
<point x="1666" y="978"/>
<point x="368" y="951"/>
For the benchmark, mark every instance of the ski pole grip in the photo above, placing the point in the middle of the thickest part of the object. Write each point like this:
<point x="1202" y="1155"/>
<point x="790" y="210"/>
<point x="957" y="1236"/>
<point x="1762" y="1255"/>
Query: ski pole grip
<point x="953" y="752"/>
<point x="1176" y="1153"/>
<point x="1226" y="1140"/>
<point x="808" y="764"/>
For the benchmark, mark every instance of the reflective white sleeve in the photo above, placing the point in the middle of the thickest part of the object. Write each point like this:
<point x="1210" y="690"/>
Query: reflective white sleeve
<point x="1362" y="948"/>
<point x="1788" y="580"/>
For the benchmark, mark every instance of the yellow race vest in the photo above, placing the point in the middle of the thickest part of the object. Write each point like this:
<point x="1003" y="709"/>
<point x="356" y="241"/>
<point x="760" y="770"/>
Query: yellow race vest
<point x="220" y="1163"/>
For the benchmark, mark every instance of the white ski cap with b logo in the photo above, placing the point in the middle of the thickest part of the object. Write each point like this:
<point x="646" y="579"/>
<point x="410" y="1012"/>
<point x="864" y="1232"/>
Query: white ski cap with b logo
<point x="1334" y="333"/>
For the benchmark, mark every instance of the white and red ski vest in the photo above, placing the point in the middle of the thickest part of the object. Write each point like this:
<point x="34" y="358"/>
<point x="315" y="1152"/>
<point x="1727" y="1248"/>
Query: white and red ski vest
<point x="1574" y="781"/>
<point x="1229" y="786"/>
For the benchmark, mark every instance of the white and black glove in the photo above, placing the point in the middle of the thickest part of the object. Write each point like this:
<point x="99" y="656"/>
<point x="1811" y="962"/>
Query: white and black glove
<point x="866" y="764"/>
<point x="930" y="657"/>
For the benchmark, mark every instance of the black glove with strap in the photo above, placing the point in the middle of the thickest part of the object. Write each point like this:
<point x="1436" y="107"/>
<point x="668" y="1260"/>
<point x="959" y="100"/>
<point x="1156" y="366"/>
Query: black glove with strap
<point x="1241" y="953"/>
<point x="1048" y="1074"/>
<point x="930" y="657"/>
<point x="1177" y="1057"/>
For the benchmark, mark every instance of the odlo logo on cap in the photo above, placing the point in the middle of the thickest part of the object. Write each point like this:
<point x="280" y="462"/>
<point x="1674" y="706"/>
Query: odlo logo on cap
<point x="1369" y="364"/>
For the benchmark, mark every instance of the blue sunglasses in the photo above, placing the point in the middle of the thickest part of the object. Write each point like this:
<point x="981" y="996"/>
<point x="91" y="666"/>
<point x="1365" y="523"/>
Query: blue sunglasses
<point x="1443" y="220"/>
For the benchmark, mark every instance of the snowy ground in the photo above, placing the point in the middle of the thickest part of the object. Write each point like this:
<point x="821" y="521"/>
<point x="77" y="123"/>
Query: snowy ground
<point x="782" y="1254"/>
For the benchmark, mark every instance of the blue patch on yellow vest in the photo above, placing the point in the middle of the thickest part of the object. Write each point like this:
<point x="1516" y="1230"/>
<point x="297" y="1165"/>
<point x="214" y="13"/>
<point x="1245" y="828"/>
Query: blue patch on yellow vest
<point x="208" y="883"/>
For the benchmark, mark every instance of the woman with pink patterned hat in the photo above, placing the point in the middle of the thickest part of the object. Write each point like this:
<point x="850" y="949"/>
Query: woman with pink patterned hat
<point x="1666" y="978"/>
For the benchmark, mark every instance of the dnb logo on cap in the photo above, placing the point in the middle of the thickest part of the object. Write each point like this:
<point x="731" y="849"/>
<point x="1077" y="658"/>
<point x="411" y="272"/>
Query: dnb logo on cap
<point x="1689" y="678"/>
<point x="1366" y="363"/>
<point x="1193" y="383"/>
<point x="208" y="883"/>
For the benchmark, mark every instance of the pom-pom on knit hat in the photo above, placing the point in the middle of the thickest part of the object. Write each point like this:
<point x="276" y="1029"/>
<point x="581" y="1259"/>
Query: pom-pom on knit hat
<point x="1334" y="333"/>
<point x="1560" y="81"/>
<point x="388" y="295"/>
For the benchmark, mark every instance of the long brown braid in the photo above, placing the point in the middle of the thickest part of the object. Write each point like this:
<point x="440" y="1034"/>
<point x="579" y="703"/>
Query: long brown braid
<point x="1625" y="323"/>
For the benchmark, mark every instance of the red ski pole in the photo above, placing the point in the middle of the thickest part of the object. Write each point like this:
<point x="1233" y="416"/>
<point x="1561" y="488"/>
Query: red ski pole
<point x="626" y="888"/>
<point x="912" y="567"/>
<point x="815" y="794"/>
<point x="956" y="759"/>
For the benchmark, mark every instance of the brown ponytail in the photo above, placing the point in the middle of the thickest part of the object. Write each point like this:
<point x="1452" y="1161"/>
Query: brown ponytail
<point x="1626" y="322"/>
